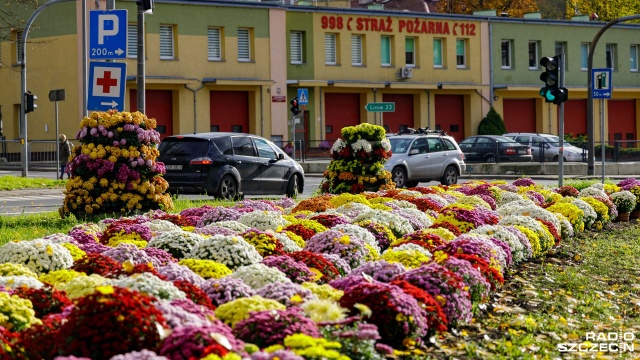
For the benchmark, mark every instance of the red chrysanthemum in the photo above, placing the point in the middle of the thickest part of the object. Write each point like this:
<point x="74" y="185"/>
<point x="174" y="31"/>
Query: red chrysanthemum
<point x="422" y="238"/>
<point x="98" y="264"/>
<point x="552" y="229"/>
<point x="38" y="341"/>
<point x="318" y="262"/>
<point x="436" y="318"/>
<point x="301" y="231"/>
<point x="447" y="225"/>
<point x="195" y="294"/>
<point x="45" y="301"/>
<point x="109" y="322"/>
<point x="492" y="275"/>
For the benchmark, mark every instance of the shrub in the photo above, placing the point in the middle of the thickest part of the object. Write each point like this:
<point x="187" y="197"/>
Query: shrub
<point x="492" y="124"/>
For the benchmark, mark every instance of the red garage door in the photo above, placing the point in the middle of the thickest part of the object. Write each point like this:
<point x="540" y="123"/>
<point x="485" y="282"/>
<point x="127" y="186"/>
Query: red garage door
<point x="341" y="109"/>
<point x="229" y="111"/>
<point x="159" y="106"/>
<point x="622" y="120"/>
<point x="402" y="117"/>
<point x="575" y="117"/>
<point x="520" y="115"/>
<point x="450" y="115"/>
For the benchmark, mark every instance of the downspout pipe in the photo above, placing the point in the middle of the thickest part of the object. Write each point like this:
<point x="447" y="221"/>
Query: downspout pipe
<point x="491" y="95"/>
<point x="195" y="114"/>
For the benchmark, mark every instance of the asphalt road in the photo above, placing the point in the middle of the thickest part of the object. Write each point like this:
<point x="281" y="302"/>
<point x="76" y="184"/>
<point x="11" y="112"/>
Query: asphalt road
<point x="44" y="200"/>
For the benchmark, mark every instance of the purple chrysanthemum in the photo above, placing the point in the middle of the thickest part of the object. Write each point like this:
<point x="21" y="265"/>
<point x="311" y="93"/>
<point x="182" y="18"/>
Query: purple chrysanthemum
<point x="346" y="246"/>
<point x="285" y="293"/>
<point x="223" y="290"/>
<point x="173" y="272"/>
<point x="296" y="271"/>
<point x="161" y="257"/>
<point x="187" y="342"/>
<point x="270" y="327"/>
<point x="218" y="213"/>
<point x="380" y="270"/>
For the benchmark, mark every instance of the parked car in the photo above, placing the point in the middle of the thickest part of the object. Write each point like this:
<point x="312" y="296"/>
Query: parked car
<point x="545" y="147"/>
<point x="424" y="155"/>
<point x="229" y="165"/>
<point x="489" y="148"/>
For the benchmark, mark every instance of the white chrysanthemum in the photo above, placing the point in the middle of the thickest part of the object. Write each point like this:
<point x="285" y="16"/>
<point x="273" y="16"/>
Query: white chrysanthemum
<point x="403" y="204"/>
<point x="178" y="243"/>
<point x="38" y="255"/>
<point x="546" y="240"/>
<point x="410" y="192"/>
<point x="162" y="226"/>
<point x="361" y="144"/>
<point x="590" y="214"/>
<point x="288" y="245"/>
<point x="14" y="282"/>
<point x="263" y="220"/>
<point x="338" y="146"/>
<point x="396" y="223"/>
<point x="352" y="209"/>
<point x="259" y="275"/>
<point x="59" y="238"/>
<point x="232" y="225"/>
<point x="422" y="218"/>
<point x="593" y="192"/>
<point x="230" y="250"/>
<point x="566" y="229"/>
<point x="150" y="284"/>
<point x="414" y="247"/>
<point x="529" y="210"/>
<point x="360" y="233"/>
<point x="386" y="144"/>
<point x="518" y="251"/>
<point x="505" y="197"/>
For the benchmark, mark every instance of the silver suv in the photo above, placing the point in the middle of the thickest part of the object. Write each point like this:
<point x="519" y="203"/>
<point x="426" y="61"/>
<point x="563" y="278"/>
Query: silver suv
<point x="545" y="147"/>
<point x="424" y="155"/>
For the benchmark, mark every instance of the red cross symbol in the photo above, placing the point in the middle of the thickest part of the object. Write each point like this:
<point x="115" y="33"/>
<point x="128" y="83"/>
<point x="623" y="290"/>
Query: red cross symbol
<point x="106" y="82"/>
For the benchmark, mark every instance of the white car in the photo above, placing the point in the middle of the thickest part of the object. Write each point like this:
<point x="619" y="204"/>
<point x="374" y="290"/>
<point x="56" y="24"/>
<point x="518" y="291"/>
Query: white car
<point x="424" y="156"/>
<point x="545" y="147"/>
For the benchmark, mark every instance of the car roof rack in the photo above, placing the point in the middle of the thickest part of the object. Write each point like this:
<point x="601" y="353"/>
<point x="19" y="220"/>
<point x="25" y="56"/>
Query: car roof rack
<point x="420" y="131"/>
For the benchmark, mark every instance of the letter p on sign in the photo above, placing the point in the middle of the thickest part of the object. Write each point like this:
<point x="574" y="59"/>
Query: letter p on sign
<point x="103" y="31"/>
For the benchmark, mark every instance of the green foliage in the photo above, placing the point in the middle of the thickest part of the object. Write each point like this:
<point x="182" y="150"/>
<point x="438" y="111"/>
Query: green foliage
<point x="580" y="184"/>
<point x="492" y="124"/>
<point x="606" y="10"/>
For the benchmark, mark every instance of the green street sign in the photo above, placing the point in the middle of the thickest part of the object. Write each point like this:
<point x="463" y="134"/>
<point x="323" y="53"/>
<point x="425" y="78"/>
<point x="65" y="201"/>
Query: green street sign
<point x="381" y="107"/>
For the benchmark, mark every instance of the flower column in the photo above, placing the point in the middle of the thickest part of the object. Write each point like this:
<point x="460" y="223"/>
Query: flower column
<point x="358" y="161"/>
<point x="114" y="170"/>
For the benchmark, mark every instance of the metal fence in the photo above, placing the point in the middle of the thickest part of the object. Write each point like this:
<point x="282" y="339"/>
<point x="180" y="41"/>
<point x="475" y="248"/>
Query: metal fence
<point x="42" y="153"/>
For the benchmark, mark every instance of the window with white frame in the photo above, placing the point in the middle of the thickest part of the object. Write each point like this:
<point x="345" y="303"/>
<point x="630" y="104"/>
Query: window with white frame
<point x="438" y="54"/>
<point x="356" y="50"/>
<point x="385" y="50"/>
<point x="461" y="53"/>
<point x="584" y="56"/>
<point x="533" y="54"/>
<point x="611" y="56"/>
<point x="214" y="44"/>
<point x="166" y="42"/>
<point x="244" y="44"/>
<point x="18" y="39"/>
<point x="330" y="56"/>
<point x="295" y="44"/>
<point x="132" y="41"/>
<point x="410" y="51"/>
<point x="506" y="51"/>
<point x="633" y="59"/>
<point x="561" y="48"/>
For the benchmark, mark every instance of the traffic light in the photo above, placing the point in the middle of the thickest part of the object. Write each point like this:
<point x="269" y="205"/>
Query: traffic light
<point x="295" y="110"/>
<point x="550" y="78"/>
<point x="30" y="102"/>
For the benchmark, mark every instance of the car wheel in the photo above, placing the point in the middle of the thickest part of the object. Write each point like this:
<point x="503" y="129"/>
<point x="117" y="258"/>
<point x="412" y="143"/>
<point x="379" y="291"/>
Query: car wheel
<point x="228" y="188"/>
<point x="411" y="184"/>
<point x="293" y="188"/>
<point x="491" y="158"/>
<point x="399" y="176"/>
<point x="450" y="176"/>
<point x="555" y="158"/>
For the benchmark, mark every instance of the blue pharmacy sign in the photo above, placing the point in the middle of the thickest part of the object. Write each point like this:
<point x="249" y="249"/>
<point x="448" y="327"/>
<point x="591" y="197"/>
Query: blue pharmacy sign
<point x="601" y="81"/>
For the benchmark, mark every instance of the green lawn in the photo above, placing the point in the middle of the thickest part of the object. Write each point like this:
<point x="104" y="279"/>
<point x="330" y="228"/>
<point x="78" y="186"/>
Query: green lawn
<point x="9" y="182"/>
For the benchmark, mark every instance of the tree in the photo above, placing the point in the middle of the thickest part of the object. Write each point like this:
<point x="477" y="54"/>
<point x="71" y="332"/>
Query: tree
<point x="606" y="10"/>
<point x="515" y="8"/>
<point x="552" y="9"/>
<point x="492" y="124"/>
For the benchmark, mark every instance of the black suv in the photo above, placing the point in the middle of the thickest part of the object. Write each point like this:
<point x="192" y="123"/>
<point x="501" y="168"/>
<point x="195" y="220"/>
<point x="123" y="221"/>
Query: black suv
<point x="229" y="165"/>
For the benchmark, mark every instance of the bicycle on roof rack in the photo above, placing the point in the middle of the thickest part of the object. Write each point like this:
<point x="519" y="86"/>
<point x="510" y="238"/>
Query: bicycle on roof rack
<point x="420" y="131"/>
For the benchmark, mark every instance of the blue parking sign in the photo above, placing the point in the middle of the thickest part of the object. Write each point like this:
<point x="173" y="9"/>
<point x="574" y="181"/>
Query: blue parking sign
<point x="108" y="34"/>
<point x="303" y="96"/>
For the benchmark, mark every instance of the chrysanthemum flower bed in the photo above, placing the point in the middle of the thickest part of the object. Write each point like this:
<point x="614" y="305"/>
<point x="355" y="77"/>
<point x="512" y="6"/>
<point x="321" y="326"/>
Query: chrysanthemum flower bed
<point x="361" y="277"/>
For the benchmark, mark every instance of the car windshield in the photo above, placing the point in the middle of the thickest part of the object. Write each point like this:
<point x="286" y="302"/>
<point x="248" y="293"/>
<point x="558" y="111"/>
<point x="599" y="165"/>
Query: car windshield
<point x="553" y="140"/>
<point x="504" y="140"/>
<point x="183" y="146"/>
<point x="399" y="146"/>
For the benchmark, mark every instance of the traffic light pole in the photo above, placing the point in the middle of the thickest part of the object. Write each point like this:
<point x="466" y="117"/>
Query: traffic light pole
<point x="24" y="152"/>
<point x="590" y="130"/>
<point x="561" y="127"/>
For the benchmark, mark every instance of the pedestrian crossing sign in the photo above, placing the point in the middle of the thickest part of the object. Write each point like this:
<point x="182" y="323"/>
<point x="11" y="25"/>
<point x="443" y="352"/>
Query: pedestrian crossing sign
<point x="303" y="96"/>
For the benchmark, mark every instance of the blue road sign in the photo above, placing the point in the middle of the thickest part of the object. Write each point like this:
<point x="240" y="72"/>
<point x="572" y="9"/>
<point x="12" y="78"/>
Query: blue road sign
<point x="601" y="82"/>
<point x="303" y="96"/>
<point x="106" y="86"/>
<point x="108" y="34"/>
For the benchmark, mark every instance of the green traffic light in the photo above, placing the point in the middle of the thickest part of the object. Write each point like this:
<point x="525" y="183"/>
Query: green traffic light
<point x="547" y="94"/>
